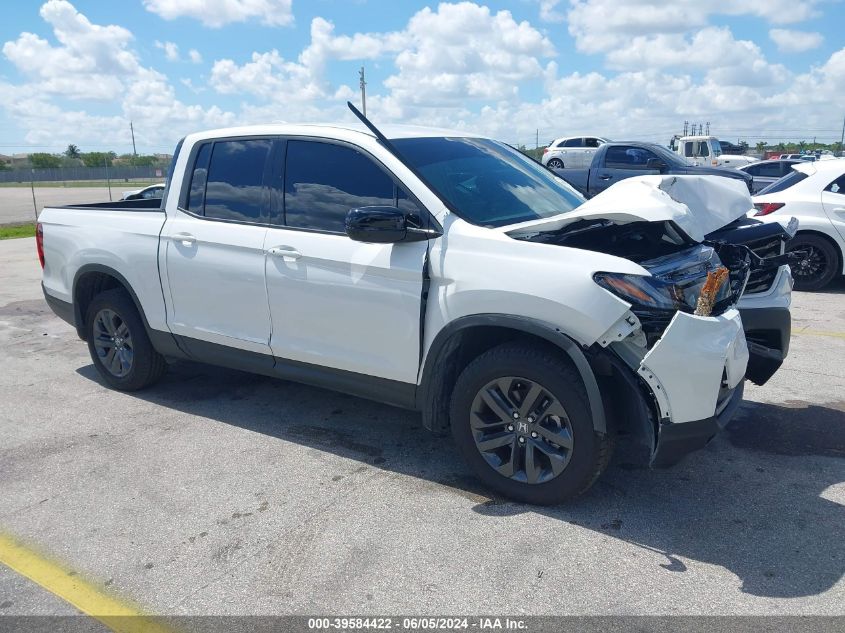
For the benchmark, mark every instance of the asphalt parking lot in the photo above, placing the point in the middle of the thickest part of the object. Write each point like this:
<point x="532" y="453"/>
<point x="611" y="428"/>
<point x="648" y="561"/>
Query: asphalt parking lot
<point x="219" y="492"/>
<point x="17" y="204"/>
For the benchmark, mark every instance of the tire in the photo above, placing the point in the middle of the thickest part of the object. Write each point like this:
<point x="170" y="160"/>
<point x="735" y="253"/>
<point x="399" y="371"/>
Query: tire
<point x="555" y="163"/>
<point x="516" y="371"/>
<point x="820" y="264"/>
<point x="115" y="331"/>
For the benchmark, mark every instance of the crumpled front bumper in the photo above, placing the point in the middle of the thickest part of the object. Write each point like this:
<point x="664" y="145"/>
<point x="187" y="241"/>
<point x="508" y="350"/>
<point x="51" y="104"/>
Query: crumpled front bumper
<point x="695" y="373"/>
<point x="695" y="360"/>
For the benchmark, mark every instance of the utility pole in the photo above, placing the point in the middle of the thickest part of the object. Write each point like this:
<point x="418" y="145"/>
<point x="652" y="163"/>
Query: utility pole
<point x="108" y="178"/>
<point x="537" y="140"/>
<point x="363" y="92"/>
<point x="32" y="188"/>
<point x="842" y="138"/>
<point x="134" y="153"/>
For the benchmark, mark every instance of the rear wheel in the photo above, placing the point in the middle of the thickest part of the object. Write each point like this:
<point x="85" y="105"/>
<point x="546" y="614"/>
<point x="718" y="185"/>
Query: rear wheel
<point x="819" y="262"/>
<point x="555" y="163"/>
<point x="118" y="343"/>
<point x="520" y="418"/>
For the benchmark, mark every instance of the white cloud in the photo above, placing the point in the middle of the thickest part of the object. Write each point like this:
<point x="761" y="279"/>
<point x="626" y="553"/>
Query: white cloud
<point x="459" y="66"/>
<point x="218" y="13"/>
<point x="269" y="76"/>
<point x="465" y="51"/>
<point x="94" y="62"/>
<point x="171" y="50"/>
<point x="602" y="25"/>
<point x="549" y="12"/>
<point x="712" y="49"/>
<point x="791" y="41"/>
<point x="87" y="64"/>
<point x="459" y="52"/>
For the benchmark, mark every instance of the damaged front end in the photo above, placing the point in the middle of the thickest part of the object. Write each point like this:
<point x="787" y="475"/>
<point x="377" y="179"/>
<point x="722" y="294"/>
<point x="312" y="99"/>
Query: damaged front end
<point x="672" y="369"/>
<point x="690" y="367"/>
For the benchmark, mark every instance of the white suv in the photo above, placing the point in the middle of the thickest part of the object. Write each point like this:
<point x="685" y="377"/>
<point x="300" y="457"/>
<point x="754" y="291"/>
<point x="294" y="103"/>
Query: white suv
<point x="571" y="151"/>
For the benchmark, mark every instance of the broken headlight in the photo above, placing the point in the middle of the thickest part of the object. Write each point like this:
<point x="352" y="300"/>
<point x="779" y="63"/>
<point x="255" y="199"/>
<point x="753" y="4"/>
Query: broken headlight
<point x="641" y="290"/>
<point x="675" y="282"/>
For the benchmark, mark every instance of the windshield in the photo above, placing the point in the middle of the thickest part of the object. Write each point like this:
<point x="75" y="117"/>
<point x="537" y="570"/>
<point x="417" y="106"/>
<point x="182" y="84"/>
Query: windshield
<point x="670" y="158"/>
<point x="717" y="148"/>
<point x="486" y="182"/>
<point x="784" y="183"/>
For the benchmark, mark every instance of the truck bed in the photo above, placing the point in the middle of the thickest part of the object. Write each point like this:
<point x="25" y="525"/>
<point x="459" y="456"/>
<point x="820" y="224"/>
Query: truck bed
<point x="152" y="204"/>
<point x="577" y="177"/>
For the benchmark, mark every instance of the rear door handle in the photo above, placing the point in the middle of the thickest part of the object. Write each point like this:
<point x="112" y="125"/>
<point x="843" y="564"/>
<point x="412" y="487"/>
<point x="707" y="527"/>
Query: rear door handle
<point x="605" y="177"/>
<point x="287" y="252"/>
<point x="185" y="239"/>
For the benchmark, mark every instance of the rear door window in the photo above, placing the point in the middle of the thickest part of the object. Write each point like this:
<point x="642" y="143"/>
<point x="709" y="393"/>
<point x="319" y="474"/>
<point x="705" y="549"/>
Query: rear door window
<point x="196" y="195"/>
<point x="323" y="181"/>
<point x="767" y="170"/>
<point x="627" y="157"/>
<point x="234" y="190"/>
<point x="572" y="142"/>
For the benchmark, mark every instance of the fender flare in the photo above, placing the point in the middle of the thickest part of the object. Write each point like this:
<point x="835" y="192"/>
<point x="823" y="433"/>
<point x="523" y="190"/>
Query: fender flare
<point x="163" y="342"/>
<point x="554" y="335"/>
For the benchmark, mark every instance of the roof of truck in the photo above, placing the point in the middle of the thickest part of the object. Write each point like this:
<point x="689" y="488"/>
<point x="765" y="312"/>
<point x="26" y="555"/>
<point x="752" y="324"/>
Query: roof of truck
<point x="326" y="129"/>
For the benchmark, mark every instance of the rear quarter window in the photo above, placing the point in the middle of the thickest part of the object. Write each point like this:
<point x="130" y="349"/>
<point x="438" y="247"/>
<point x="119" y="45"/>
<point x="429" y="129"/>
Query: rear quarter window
<point x="784" y="183"/>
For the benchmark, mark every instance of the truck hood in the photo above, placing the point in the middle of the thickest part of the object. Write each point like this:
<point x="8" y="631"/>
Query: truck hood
<point x="725" y="172"/>
<point x="698" y="205"/>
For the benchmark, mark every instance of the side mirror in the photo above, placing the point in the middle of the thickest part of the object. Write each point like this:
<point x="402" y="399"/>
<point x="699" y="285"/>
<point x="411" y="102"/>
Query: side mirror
<point x="655" y="163"/>
<point x="379" y="225"/>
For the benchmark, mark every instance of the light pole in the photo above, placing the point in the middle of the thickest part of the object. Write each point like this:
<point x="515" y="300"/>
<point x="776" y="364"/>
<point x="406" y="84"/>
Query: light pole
<point x="363" y="91"/>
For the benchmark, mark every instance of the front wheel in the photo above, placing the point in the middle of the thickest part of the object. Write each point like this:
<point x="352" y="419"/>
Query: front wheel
<point x="118" y="343"/>
<point x="818" y="264"/>
<point x="520" y="418"/>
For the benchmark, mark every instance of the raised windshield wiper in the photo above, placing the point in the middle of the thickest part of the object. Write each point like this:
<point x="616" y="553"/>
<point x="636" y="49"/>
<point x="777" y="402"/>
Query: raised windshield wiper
<point x="390" y="147"/>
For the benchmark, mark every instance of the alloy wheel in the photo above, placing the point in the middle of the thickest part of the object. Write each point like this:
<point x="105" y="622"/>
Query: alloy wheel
<point x="113" y="343"/>
<point x="521" y="430"/>
<point x="812" y="265"/>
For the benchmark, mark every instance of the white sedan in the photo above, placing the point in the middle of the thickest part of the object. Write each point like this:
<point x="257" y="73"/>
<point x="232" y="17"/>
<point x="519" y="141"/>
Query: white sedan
<point x="815" y="194"/>
<point x="153" y="191"/>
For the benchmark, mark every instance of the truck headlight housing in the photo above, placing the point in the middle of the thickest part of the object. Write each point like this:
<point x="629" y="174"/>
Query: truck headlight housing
<point x="675" y="282"/>
<point x="642" y="291"/>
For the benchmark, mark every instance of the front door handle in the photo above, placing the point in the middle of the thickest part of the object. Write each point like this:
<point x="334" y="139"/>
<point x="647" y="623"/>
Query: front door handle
<point x="605" y="177"/>
<point x="185" y="239"/>
<point x="287" y="252"/>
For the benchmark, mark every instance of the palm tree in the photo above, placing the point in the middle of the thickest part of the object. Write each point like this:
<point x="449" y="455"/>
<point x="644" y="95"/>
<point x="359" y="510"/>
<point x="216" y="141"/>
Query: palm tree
<point x="72" y="151"/>
<point x="761" y="147"/>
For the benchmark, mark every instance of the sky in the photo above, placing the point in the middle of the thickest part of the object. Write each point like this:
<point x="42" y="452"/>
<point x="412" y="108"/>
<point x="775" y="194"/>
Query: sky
<point x="522" y="71"/>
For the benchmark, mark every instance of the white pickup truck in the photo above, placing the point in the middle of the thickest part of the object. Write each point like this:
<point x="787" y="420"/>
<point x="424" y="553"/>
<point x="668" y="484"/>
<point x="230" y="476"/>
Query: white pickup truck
<point x="442" y="272"/>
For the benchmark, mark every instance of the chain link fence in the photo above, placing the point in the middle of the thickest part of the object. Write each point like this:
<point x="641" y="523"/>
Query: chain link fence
<point x="63" y="174"/>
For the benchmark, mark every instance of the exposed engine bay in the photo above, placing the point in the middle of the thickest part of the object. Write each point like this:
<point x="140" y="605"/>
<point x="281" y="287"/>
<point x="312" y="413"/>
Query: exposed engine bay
<point x="703" y="254"/>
